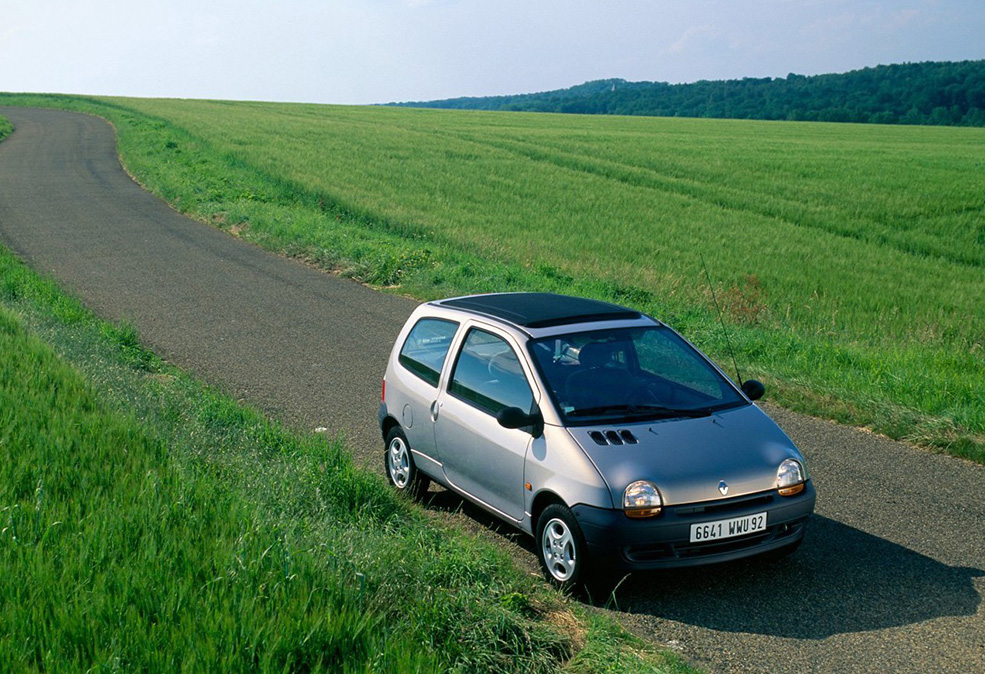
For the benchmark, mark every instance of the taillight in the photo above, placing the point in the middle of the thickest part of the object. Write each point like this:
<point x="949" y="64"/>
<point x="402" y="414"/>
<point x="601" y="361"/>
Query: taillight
<point x="383" y="393"/>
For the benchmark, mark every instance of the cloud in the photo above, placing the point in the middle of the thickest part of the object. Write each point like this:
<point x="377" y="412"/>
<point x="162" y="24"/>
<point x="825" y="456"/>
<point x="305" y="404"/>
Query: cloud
<point x="878" y="20"/>
<point x="691" y="36"/>
<point x="418" y="4"/>
<point x="904" y="18"/>
<point x="9" y="34"/>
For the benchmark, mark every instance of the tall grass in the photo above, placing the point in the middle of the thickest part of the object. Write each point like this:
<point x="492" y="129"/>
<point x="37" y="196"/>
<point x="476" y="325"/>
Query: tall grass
<point x="849" y="258"/>
<point x="148" y="523"/>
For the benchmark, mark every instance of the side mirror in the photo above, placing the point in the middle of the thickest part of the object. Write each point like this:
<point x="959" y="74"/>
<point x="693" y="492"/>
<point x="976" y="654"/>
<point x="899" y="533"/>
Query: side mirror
<point x="514" y="417"/>
<point x="753" y="389"/>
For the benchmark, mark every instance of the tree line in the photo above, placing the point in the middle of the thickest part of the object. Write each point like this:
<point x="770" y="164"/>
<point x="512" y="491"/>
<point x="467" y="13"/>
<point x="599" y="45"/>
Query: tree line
<point x="937" y="93"/>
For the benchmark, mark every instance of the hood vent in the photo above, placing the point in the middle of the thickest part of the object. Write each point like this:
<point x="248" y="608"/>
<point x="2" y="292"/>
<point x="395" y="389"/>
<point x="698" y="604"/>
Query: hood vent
<point x="613" y="438"/>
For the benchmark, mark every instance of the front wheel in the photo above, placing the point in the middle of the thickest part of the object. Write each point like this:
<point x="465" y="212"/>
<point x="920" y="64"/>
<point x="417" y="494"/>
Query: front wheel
<point x="561" y="547"/>
<point x="399" y="465"/>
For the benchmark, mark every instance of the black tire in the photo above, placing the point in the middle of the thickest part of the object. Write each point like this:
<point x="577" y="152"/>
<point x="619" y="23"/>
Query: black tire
<point x="398" y="462"/>
<point x="561" y="547"/>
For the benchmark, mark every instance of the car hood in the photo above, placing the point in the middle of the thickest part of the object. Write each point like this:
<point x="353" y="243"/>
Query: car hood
<point x="689" y="458"/>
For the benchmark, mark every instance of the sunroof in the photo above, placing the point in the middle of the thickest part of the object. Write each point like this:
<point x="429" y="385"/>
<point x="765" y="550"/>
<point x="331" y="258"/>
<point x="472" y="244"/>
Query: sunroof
<point x="542" y="310"/>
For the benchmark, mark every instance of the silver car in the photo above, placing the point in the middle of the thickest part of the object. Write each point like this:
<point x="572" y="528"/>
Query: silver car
<point x="597" y="429"/>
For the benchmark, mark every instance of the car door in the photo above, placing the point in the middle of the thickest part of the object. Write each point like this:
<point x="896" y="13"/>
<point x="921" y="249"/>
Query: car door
<point x="479" y="456"/>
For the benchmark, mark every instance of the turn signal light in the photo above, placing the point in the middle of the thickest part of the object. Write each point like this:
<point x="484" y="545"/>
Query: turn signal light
<point x="792" y="491"/>
<point x="642" y="513"/>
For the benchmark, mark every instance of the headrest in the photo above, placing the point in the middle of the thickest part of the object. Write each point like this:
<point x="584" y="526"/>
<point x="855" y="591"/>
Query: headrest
<point x="595" y="354"/>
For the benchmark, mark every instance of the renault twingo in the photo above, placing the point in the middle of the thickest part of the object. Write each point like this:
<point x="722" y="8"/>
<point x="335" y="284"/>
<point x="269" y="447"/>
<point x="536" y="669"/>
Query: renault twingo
<point x="597" y="429"/>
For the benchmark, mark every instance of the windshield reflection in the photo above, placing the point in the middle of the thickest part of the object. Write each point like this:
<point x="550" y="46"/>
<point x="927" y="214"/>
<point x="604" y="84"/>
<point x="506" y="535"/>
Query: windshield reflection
<point x="629" y="374"/>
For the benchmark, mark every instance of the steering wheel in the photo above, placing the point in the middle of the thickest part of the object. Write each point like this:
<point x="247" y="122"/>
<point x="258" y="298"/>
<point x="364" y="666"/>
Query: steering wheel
<point x="502" y="363"/>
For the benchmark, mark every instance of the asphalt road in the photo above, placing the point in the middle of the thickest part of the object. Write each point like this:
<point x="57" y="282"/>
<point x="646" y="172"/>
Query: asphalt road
<point x="889" y="579"/>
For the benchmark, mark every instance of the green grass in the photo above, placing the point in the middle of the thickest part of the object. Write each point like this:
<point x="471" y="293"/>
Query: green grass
<point x="849" y="259"/>
<point x="150" y="523"/>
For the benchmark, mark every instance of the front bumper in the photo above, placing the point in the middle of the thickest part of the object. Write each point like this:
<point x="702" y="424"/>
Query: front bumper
<point x="662" y="542"/>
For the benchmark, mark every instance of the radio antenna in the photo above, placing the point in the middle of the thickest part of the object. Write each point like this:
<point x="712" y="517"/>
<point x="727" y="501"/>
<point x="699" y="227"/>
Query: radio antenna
<point x="721" y="320"/>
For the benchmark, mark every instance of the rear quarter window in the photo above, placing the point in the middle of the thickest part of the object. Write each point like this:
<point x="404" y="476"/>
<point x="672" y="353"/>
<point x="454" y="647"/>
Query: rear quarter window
<point x="426" y="347"/>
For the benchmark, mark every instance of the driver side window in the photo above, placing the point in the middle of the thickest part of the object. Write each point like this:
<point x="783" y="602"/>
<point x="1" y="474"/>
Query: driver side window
<point x="488" y="374"/>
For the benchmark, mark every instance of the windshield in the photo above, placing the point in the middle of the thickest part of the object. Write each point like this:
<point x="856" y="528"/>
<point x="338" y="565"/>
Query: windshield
<point x="629" y="374"/>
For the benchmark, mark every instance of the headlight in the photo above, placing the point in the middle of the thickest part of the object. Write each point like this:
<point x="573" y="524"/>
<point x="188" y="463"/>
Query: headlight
<point x="790" y="477"/>
<point x="642" y="499"/>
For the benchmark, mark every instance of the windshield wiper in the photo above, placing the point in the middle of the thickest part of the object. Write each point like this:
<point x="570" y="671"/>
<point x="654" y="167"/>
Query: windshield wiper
<point x="639" y="410"/>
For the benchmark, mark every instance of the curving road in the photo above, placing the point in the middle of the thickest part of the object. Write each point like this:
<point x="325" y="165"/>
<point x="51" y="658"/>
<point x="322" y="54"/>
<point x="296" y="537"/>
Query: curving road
<point x="890" y="577"/>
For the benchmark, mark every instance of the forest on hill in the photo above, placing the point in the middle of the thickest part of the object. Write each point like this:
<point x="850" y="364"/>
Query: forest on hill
<point x="936" y="93"/>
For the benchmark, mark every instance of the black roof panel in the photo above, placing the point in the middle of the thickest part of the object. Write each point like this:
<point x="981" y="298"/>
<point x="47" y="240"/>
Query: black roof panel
<point x="541" y="310"/>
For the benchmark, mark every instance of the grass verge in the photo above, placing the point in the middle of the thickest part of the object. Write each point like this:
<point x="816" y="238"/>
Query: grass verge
<point x="150" y="523"/>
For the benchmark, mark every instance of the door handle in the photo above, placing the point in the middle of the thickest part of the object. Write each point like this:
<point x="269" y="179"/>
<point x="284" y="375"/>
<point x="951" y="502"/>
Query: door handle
<point x="434" y="410"/>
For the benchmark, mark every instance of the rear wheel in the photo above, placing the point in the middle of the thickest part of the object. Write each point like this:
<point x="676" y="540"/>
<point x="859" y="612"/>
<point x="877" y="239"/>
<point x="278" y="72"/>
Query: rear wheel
<point x="399" y="464"/>
<point x="561" y="547"/>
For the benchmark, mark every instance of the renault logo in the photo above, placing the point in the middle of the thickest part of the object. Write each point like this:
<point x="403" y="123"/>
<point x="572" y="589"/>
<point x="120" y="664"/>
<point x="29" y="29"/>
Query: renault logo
<point x="723" y="487"/>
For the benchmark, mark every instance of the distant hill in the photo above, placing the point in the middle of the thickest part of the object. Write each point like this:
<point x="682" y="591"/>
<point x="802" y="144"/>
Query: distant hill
<point x="939" y="93"/>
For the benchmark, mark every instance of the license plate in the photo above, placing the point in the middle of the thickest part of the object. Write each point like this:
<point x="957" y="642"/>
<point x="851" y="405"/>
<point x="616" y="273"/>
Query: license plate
<point x="738" y="526"/>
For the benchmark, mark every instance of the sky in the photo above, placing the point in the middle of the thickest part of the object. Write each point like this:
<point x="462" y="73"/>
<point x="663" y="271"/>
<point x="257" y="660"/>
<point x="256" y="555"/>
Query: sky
<point x="379" y="51"/>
